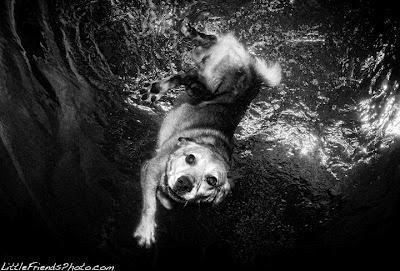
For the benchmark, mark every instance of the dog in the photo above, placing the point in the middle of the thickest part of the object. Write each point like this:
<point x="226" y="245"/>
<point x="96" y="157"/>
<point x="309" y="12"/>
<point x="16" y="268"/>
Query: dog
<point x="195" y="141"/>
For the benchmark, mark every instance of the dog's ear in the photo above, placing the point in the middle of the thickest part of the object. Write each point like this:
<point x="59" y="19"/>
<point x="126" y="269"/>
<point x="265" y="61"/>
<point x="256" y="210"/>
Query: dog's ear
<point x="234" y="177"/>
<point x="164" y="200"/>
<point x="231" y="182"/>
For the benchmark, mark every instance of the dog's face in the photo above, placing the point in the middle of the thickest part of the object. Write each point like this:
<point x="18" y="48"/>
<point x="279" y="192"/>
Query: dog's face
<point x="196" y="173"/>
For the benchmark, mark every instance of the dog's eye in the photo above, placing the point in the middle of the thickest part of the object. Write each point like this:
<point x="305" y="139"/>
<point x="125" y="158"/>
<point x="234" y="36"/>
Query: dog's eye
<point x="212" y="181"/>
<point x="190" y="159"/>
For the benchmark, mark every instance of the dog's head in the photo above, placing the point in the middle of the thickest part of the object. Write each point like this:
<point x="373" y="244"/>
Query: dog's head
<point x="196" y="172"/>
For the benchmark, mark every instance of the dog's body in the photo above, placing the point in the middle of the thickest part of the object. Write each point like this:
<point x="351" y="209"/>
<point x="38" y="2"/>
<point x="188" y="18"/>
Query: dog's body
<point x="195" y="139"/>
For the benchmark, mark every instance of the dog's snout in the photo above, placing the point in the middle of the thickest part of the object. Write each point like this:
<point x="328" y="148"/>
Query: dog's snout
<point x="183" y="184"/>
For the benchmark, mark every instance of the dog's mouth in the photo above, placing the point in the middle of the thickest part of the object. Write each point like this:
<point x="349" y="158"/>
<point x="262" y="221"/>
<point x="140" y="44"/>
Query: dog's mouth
<point x="171" y="193"/>
<point x="174" y="195"/>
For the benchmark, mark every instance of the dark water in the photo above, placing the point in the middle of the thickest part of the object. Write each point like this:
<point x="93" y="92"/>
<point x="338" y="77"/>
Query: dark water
<point x="316" y="160"/>
<point x="336" y="105"/>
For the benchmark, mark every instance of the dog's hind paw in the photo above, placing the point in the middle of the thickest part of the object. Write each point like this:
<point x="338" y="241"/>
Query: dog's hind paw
<point x="152" y="93"/>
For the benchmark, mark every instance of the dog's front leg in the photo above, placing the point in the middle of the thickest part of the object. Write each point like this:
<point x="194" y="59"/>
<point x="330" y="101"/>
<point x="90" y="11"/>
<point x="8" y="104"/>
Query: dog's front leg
<point x="189" y="79"/>
<point x="149" y="178"/>
<point x="157" y="89"/>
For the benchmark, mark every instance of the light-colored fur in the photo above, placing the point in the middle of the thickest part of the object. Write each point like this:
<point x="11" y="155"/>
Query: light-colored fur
<point x="227" y="54"/>
<point x="201" y="127"/>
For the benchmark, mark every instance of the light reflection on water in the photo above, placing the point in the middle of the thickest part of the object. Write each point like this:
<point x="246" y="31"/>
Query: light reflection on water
<point x="295" y="115"/>
<point x="380" y="116"/>
<point x="338" y="146"/>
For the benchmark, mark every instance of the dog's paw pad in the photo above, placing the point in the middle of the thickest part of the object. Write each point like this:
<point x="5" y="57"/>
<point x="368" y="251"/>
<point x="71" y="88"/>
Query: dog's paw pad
<point x="145" y="96"/>
<point x="155" y="88"/>
<point x="143" y="91"/>
<point x="150" y="97"/>
<point x="151" y="94"/>
<point x="147" y="84"/>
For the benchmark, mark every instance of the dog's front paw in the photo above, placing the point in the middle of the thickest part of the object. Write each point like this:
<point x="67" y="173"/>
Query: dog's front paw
<point x="151" y="93"/>
<point x="145" y="234"/>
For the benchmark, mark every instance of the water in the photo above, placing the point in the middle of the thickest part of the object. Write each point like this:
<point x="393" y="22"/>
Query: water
<point x="318" y="110"/>
<point x="310" y="150"/>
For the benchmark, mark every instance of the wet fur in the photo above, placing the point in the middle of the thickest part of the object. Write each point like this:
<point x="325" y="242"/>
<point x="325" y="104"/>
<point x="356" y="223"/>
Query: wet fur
<point x="218" y="91"/>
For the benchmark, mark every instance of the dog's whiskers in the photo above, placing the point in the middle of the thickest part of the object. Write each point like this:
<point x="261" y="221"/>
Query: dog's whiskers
<point x="198" y="186"/>
<point x="186" y="203"/>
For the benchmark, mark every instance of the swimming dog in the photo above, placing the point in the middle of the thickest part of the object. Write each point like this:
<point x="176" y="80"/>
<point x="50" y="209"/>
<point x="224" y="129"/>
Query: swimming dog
<point x="194" y="147"/>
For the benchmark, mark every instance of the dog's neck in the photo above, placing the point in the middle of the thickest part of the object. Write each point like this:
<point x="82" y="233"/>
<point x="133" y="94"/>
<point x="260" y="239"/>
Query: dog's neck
<point x="219" y="145"/>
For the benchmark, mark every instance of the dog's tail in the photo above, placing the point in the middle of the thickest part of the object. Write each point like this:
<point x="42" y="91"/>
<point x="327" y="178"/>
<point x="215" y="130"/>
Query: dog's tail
<point x="269" y="73"/>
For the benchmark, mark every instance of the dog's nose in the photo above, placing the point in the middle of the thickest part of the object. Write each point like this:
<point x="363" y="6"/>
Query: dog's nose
<point x="183" y="185"/>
